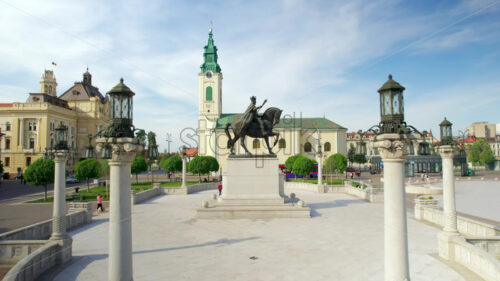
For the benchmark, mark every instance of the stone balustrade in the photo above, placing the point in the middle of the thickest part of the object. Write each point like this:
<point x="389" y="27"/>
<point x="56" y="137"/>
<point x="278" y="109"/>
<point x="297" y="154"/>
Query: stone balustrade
<point x="139" y="197"/>
<point x="475" y="259"/>
<point x="490" y="244"/>
<point x="35" y="263"/>
<point x="428" y="210"/>
<point x="370" y="194"/>
<point x="190" y="189"/>
<point x="43" y="230"/>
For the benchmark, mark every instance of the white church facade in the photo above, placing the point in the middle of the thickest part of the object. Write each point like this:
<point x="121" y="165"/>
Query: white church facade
<point x="298" y="135"/>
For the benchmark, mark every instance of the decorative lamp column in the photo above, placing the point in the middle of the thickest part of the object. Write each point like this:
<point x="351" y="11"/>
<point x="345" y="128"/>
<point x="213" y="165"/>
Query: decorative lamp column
<point x="391" y="140"/>
<point x="450" y="230"/>
<point x="89" y="150"/>
<point x="118" y="144"/>
<point x="61" y="155"/>
<point x="319" y="154"/>
<point x="184" y="168"/>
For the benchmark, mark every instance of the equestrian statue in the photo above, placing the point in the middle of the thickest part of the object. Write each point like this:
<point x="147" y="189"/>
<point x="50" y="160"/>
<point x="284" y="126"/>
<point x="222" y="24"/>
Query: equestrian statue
<point x="254" y="125"/>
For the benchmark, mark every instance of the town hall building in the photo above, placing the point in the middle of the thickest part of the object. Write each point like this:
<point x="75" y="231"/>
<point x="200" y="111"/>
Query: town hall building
<point x="298" y="135"/>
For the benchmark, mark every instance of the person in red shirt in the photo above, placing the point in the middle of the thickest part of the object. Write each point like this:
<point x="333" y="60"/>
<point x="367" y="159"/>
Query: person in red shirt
<point x="220" y="188"/>
<point x="99" y="203"/>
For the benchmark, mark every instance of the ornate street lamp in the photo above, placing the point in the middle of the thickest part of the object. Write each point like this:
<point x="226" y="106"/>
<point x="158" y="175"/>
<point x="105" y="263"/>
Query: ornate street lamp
<point x="61" y="137"/>
<point x="392" y="107"/>
<point x="120" y="115"/>
<point x="89" y="151"/>
<point x="446" y="135"/>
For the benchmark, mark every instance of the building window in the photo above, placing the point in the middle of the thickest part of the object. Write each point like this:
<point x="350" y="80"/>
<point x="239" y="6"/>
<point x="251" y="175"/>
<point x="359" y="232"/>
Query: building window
<point x="28" y="161"/>
<point x="51" y="143"/>
<point x="307" y="147"/>
<point x="208" y="94"/>
<point x="256" y="143"/>
<point x="282" y="143"/>
<point x="32" y="143"/>
<point x="30" y="126"/>
<point x="7" y="161"/>
<point x="7" y="126"/>
<point x="328" y="146"/>
<point x="7" y="143"/>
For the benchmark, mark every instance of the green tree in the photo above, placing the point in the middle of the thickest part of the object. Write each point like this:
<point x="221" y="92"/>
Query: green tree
<point x="40" y="173"/>
<point x="104" y="172"/>
<point x="360" y="159"/>
<point x="199" y="165"/>
<point x="88" y="169"/>
<point x="289" y="162"/>
<point x="139" y="165"/>
<point x="480" y="153"/>
<point x="172" y="164"/>
<point x="213" y="164"/>
<point x="350" y="154"/>
<point x="336" y="163"/>
<point x="303" y="166"/>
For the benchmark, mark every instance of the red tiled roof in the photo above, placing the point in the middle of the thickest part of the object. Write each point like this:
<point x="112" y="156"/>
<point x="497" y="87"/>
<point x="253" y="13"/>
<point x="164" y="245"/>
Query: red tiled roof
<point x="191" y="151"/>
<point x="6" y="104"/>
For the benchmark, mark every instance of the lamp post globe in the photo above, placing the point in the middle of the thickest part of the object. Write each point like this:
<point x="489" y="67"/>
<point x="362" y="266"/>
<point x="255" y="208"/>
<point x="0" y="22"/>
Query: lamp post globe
<point x="391" y="106"/>
<point x="446" y="133"/>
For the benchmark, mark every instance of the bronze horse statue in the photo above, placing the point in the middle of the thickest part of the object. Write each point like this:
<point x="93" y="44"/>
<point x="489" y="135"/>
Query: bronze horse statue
<point x="270" y="118"/>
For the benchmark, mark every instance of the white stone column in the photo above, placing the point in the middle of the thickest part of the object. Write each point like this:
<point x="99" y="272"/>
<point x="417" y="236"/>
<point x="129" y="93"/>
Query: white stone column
<point x="319" y="155"/>
<point x="59" y="213"/>
<point x="391" y="147"/>
<point x="21" y="132"/>
<point x="184" y="171"/>
<point x="120" y="220"/>
<point x="450" y="212"/>
<point x="296" y="141"/>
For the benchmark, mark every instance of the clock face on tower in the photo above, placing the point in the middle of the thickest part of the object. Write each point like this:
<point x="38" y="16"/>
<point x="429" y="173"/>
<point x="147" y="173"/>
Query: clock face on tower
<point x="209" y="74"/>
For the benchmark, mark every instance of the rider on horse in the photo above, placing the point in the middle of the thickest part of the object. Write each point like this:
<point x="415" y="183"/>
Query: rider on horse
<point x="251" y="114"/>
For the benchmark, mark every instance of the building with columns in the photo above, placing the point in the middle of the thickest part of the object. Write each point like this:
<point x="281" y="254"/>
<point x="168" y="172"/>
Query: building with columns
<point x="298" y="135"/>
<point x="29" y="126"/>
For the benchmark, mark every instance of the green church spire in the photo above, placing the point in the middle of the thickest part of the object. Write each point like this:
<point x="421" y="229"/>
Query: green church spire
<point x="210" y="56"/>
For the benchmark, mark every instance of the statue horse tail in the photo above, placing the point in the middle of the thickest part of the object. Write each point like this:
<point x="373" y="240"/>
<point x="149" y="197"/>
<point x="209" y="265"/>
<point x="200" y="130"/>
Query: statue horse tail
<point x="226" y="129"/>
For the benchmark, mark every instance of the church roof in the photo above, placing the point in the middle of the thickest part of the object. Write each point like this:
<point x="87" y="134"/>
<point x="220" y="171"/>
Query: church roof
<point x="286" y="123"/>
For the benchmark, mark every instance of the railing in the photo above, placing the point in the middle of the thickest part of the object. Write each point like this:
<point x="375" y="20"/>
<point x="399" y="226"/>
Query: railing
<point x="36" y="263"/>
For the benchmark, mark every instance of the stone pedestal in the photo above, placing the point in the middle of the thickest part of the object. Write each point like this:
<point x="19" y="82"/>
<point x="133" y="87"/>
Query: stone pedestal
<point x="391" y="147"/>
<point x="251" y="189"/>
<point x="120" y="221"/>
<point x="450" y="212"/>
<point x="59" y="213"/>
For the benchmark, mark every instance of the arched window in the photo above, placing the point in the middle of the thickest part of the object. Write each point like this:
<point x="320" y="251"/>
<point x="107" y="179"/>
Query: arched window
<point x="307" y="147"/>
<point x="256" y="143"/>
<point x="208" y="94"/>
<point x="328" y="146"/>
<point x="282" y="143"/>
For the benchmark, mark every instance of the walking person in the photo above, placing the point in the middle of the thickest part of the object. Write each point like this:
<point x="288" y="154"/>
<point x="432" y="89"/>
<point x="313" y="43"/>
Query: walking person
<point x="99" y="203"/>
<point x="219" y="187"/>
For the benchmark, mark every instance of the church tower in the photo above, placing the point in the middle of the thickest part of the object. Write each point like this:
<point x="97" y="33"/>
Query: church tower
<point x="48" y="83"/>
<point x="209" y="98"/>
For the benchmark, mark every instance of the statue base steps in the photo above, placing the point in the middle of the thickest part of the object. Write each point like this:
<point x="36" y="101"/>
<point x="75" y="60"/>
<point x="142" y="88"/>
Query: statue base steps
<point x="253" y="189"/>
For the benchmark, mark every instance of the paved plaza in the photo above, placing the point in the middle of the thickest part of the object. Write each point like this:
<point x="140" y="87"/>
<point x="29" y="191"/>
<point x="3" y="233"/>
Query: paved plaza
<point x="342" y="241"/>
<point x="477" y="198"/>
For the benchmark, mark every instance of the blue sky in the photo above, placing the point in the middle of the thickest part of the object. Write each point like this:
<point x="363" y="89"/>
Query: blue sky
<point x="311" y="57"/>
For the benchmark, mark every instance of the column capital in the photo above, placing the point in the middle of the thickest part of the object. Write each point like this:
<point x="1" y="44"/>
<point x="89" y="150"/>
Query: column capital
<point x="446" y="151"/>
<point x="123" y="150"/>
<point x="60" y="156"/>
<point x="391" y="146"/>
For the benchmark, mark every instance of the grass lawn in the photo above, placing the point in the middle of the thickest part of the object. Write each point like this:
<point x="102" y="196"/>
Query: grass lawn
<point x="92" y="195"/>
<point x="329" y="181"/>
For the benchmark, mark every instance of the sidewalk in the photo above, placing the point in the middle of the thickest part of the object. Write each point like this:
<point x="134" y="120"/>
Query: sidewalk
<point x="342" y="241"/>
